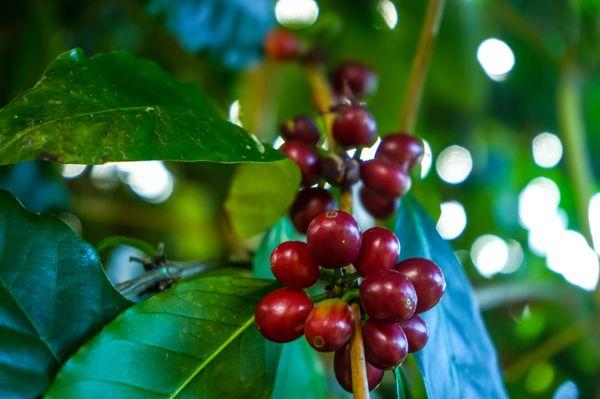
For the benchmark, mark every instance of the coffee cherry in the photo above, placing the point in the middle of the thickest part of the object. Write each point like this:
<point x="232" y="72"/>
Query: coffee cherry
<point x="301" y="128"/>
<point x="334" y="239"/>
<point x="388" y="295"/>
<point x="427" y="278"/>
<point x="360" y="79"/>
<point x="416" y="332"/>
<point x="343" y="370"/>
<point x="402" y="149"/>
<point x="340" y="171"/>
<point x="378" y="251"/>
<point x="293" y="266"/>
<point x="280" y="315"/>
<point x="385" y="177"/>
<point x="309" y="203"/>
<point x="281" y="45"/>
<point x="385" y="343"/>
<point x="354" y="126"/>
<point x="306" y="159"/>
<point x="329" y="325"/>
<point x="378" y="205"/>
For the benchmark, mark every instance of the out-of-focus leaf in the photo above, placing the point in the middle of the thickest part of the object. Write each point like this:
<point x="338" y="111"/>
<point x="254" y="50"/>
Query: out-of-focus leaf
<point x="231" y="30"/>
<point x="260" y="194"/>
<point x="53" y="296"/>
<point x="115" y="107"/>
<point x="196" y="340"/>
<point x="459" y="361"/>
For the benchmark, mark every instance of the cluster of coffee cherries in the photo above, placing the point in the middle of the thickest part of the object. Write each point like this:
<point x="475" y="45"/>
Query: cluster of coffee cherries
<point x="392" y="295"/>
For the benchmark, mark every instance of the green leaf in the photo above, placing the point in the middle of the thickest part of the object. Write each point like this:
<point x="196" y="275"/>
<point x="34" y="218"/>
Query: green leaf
<point x="110" y="242"/>
<point x="260" y="195"/>
<point x="116" y="107"/>
<point x="402" y="388"/>
<point x="53" y="296"/>
<point x="459" y="360"/>
<point x="300" y="373"/>
<point x="196" y="340"/>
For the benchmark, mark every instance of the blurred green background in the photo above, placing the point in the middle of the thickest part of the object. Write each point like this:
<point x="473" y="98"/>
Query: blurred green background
<point x="511" y="109"/>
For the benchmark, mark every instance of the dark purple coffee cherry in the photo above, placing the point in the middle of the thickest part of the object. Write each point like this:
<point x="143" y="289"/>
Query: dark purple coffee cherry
<point x="343" y="370"/>
<point x="334" y="239"/>
<point x="358" y="78"/>
<point x="427" y="279"/>
<point x="379" y="251"/>
<point x="380" y="206"/>
<point x="280" y="315"/>
<point x="281" y="45"/>
<point x="301" y="128"/>
<point x="416" y="332"/>
<point x="354" y="126"/>
<point x="388" y="295"/>
<point x="384" y="177"/>
<point x="340" y="171"/>
<point x="305" y="157"/>
<point x="293" y="266"/>
<point x="329" y="325"/>
<point x="401" y="149"/>
<point x="310" y="203"/>
<point x="386" y="345"/>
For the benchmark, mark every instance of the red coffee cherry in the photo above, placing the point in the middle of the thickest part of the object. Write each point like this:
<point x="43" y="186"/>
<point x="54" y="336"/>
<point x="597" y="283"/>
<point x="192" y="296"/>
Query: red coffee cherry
<point x="329" y="325"/>
<point x="293" y="266"/>
<point x="385" y="177"/>
<point x="379" y="251"/>
<point x="301" y="128"/>
<point x="416" y="332"/>
<point x="309" y="203"/>
<point x="388" y="295"/>
<point x="427" y="278"/>
<point x="281" y="45"/>
<point x="305" y="157"/>
<point x="354" y="126"/>
<point x="280" y="315"/>
<point x="378" y="205"/>
<point x="360" y="79"/>
<point x="402" y="149"/>
<point x="343" y="371"/>
<point x="385" y="343"/>
<point x="334" y="239"/>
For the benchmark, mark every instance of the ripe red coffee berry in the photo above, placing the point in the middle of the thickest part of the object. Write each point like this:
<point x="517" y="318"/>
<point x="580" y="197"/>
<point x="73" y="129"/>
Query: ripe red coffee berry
<point x="293" y="266"/>
<point x="309" y="203"/>
<point x="329" y="325"/>
<point x="343" y="370"/>
<point x="416" y="332"/>
<point x="359" y="78"/>
<point x="353" y="127"/>
<point x="305" y="157"/>
<point x="301" y="128"/>
<point x="402" y="149"/>
<point x="388" y="295"/>
<point x="334" y="239"/>
<point x="386" y="345"/>
<point x="378" y="205"/>
<point x="281" y="45"/>
<point x="379" y="251"/>
<point x="427" y="278"/>
<point x="280" y="315"/>
<point x="384" y="177"/>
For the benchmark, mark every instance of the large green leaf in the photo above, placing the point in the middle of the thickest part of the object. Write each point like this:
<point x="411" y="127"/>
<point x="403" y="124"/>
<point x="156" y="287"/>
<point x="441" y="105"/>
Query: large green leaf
<point x="260" y="194"/>
<point x="115" y="107"/>
<point x="197" y="340"/>
<point x="53" y="296"/>
<point x="300" y="374"/>
<point x="459" y="361"/>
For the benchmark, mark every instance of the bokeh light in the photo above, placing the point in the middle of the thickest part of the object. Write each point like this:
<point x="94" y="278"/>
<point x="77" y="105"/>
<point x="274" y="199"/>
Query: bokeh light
<point x="296" y="13"/>
<point x="454" y="164"/>
<point x="427" y="160"/>
<point x="388" y="12"/>
<point x="452" y="221"/>
<point x="150" y="180"/>
<point x="547" y="150"/>
<point x="574" y="259"/>
<point x="496" y="58"/>
<point x="234" y="113"/>
<point x="71" y="171"/>
<point x="538" y="201"/>
<point x="489" y="254"/>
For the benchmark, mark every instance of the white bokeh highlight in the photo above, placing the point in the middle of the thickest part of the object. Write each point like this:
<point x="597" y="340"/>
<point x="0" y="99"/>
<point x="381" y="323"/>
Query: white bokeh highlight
<point x="296" y="13"/>
<point x="496" y="58"/>
<point x="454" y="164"/>
<point x="547" y="150"/>
<point x="71" y="171"/>
<point x="490" y="254"/>
<point x="452" y="220"/>
<point x="388" y="12"/>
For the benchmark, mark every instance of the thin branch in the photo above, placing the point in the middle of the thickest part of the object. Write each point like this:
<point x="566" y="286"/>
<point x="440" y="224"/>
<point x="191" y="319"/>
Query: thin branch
<point x="418" y="72"/>
<point x="360" y="384"/>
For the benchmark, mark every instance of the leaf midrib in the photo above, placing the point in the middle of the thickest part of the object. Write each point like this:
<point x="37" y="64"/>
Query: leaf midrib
<point x="209" y="359"/>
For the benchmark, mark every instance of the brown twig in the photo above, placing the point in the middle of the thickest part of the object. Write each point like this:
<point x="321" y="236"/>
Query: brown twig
<point x="360" y="385"/>
<point x="418" y="72"/>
